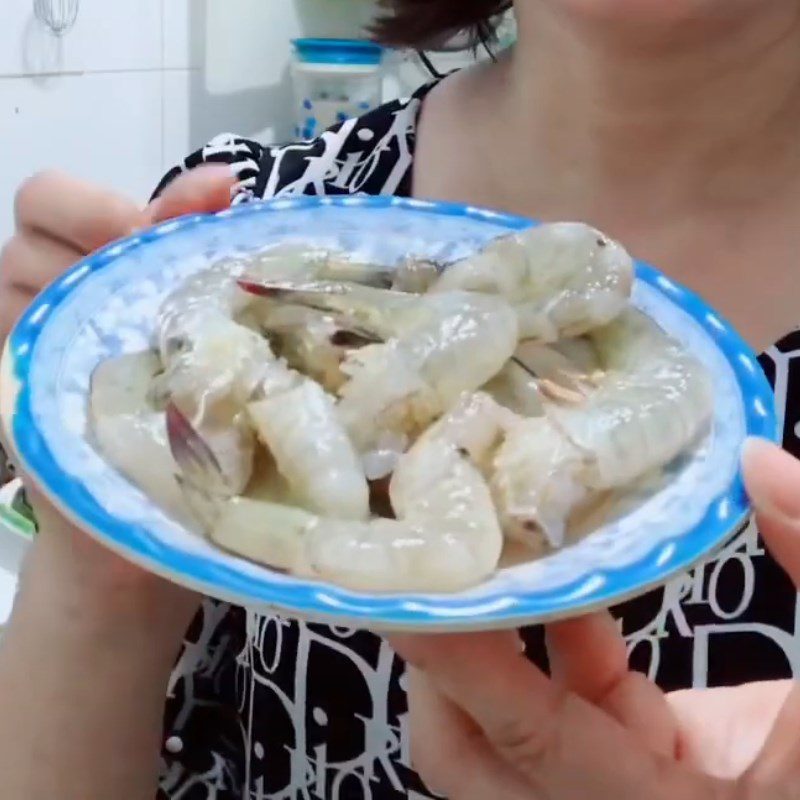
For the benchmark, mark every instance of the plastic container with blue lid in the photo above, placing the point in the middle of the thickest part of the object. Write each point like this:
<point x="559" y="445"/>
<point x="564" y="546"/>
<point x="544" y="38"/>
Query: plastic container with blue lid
<point x="348" y="52"/>
<point x="334" y="80"/>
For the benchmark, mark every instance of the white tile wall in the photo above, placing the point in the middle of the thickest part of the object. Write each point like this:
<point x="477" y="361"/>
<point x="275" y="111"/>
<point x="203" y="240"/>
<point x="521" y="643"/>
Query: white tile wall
<point x="180" y="50"/>
<point x="102" y="126"/>
<point x="117" y="35"/>
<point x="136" y="84"/>
<point x="177" y="139"/>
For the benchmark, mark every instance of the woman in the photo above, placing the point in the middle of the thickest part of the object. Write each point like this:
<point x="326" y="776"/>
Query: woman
<point x="673" y="126"/>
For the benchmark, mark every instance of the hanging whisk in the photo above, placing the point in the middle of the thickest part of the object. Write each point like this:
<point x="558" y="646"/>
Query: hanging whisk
<point x="58" y="15"/>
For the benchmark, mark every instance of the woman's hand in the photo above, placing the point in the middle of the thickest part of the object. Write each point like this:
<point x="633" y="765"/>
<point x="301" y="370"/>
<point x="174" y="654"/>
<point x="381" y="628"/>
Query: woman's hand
<point x="487" y="724"/>
<point x="58" y="221"/>
<point x="87" y="655"/>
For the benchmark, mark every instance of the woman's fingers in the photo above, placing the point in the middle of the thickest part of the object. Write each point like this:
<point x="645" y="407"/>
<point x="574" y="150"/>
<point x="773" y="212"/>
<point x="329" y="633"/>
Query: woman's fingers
<point x="79" y="214"/>
<point x="13" y="303"/>
<point x="553" y="738"/>
<point x="31" y="260"/>
<point x="28" y="262"/>
<point x="773" y="483"/>
<point x="450" y="752"/>
<point x="560" y="744"/>
<point x="588" y="656"/>
<point x="87" y="217"/>
<point x="779" y="760"/>
<point x="60" y="219"/>
<point x="772" y="477"/>
<point x="723" y="730"/>
<point x="204" y="190"/>
<point x="487" y="675"/>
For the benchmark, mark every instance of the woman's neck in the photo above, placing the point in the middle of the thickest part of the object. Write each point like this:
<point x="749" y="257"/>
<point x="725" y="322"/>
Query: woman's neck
<point x="625" y="120"/>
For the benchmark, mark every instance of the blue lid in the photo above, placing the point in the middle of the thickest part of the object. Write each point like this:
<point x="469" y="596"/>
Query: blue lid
<point x="338" y="51"/>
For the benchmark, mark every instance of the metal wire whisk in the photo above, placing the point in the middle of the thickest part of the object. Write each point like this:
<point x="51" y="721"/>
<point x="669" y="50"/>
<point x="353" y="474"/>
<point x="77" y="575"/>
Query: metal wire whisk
<point x="58" y="15"/>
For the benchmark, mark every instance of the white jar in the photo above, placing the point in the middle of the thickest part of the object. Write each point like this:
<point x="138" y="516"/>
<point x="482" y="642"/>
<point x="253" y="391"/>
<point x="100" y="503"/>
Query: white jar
<point x="334" y="80"/>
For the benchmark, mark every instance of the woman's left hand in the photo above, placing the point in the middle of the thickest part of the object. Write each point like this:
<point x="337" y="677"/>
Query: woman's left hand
<point x="487" y="724"/>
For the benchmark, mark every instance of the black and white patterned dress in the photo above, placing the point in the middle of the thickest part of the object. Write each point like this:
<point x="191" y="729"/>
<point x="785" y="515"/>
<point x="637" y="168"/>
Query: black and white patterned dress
<point x="263" y="708"/>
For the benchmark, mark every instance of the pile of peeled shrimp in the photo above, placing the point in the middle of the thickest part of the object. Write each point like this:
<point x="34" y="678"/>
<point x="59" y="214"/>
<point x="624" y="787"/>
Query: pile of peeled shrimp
<point x="416" y="418"/>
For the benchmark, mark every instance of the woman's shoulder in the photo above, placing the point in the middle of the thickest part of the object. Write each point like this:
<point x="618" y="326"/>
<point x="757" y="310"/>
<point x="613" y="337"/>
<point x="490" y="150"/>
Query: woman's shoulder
<point x="372" y="154"/>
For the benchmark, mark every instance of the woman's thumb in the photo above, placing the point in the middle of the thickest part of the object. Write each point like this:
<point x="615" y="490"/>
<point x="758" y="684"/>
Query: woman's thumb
<point x="204" y="190"/>
<point x="772" y="477"/>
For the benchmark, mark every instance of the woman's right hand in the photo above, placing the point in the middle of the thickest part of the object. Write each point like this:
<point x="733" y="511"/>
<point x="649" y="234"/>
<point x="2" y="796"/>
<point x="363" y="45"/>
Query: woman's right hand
<point x="59" y="220"/>
<point x="485" y="722"/>
<point x="86" y="658"/>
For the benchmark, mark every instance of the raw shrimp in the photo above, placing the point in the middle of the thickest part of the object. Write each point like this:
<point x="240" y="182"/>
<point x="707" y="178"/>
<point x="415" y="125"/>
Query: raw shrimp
<point x="652" y="401"/>
<point x="516" y="388"/>
<point x="210" y="376"/>
<point x="537" y="481"/>
<point x="299" y="261"/>
<point x="215" y="367"/>
<point x="213" y="364"/>
<point x="566" y="369"/>
<point x="195" y="335"/>
<point x="447" y="536"/>
<point x="250" y="388"/>
<point x="434" y="348"/>
<point x="311" y="341"/>
<point x="532" y="469"/>
<point x="564" y="278"/>
<point x="129" y="432"/>
<point x="197" y="332"/>
<point x="300" y="428"/>
<point x="297" y="421"/>
<point x="199" y="314"/>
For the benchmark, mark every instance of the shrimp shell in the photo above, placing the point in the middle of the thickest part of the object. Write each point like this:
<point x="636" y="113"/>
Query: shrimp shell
<point x="653" y="403"/>
<point x="563" y="278"/>
<point x="312" y="451"/>
<point x="309" y="341"/>
<point x="211" y="381"/>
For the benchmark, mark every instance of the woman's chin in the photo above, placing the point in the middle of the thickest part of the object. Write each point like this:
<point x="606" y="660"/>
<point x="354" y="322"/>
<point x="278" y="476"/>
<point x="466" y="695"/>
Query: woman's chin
<point x="648" y="13"/>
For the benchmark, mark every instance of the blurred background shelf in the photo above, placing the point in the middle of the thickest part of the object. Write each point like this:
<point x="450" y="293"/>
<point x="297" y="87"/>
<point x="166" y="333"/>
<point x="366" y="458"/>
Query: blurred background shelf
<point x="134" y="85"/>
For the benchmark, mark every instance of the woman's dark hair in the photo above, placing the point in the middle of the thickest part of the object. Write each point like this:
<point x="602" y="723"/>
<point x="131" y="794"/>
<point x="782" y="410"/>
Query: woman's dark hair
<point x="422" y="23"/>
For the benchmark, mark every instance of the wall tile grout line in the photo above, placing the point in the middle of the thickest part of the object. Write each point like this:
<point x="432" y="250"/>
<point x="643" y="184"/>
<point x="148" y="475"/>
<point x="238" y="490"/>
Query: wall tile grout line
<point x="10" y="76"/>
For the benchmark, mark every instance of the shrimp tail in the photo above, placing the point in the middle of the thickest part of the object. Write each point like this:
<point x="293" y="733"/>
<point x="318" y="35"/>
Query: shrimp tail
<point x="197" y="462"/>
<point x="537" y="482"/>
<point x="200" y="477"/>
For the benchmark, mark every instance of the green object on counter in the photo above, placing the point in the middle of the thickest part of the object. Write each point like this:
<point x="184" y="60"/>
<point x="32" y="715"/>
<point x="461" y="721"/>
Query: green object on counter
<point x="18" y="522"/>
<point x="17" y="514"/>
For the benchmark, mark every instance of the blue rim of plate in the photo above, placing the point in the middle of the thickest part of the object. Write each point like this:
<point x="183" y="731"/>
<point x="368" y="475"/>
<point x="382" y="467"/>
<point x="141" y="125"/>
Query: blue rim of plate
<point x="308" y="599"/>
